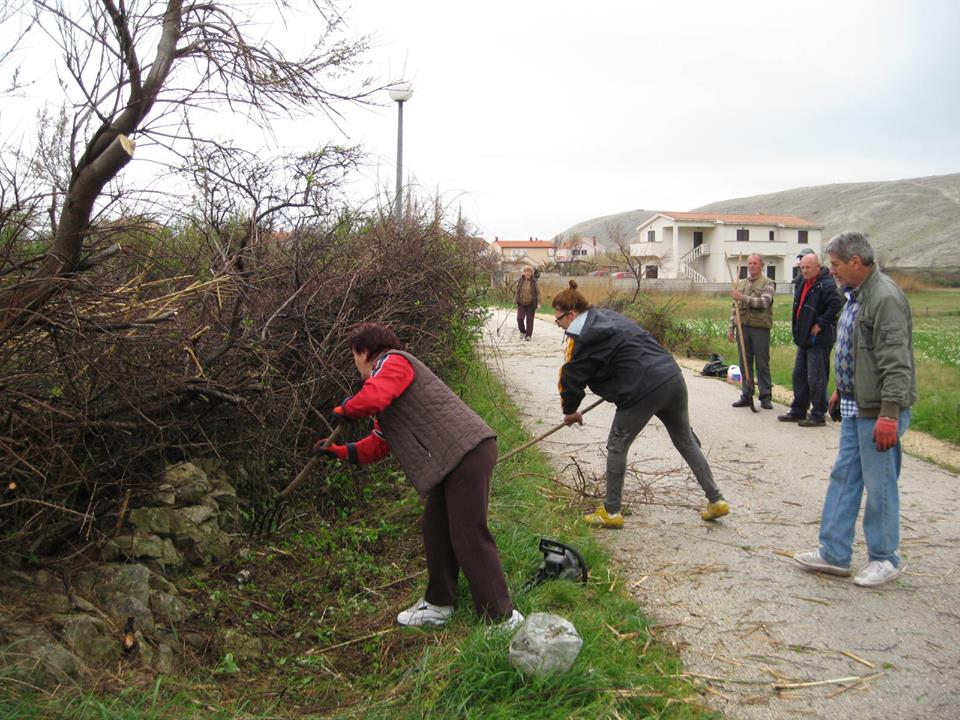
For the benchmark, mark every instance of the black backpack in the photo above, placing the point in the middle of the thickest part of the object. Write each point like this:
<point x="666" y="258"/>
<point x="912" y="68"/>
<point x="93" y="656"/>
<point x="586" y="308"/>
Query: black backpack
<point x="715" y="368"/>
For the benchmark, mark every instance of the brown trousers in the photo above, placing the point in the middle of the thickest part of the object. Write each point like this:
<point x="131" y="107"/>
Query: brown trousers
<point x="456" y="537"/>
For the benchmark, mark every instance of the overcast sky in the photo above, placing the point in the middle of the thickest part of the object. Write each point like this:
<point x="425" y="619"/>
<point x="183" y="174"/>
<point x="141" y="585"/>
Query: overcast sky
<point x="537" y="115"/>
<point x="534" y="115"/>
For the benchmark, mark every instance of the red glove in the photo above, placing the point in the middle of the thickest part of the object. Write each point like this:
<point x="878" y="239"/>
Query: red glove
<point x="320" y="447"/>
<point x="885" y="433"/>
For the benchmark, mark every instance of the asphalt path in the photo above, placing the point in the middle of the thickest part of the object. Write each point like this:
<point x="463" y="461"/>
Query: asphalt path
<point x="762" y="638"/>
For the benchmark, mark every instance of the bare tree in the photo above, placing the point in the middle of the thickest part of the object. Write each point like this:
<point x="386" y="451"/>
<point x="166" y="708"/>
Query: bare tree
<point x="620" y="239"/>
<point x="133" y="70"/>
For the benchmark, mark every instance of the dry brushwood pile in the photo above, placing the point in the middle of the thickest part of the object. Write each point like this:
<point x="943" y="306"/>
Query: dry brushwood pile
<point x="198" y="342"/>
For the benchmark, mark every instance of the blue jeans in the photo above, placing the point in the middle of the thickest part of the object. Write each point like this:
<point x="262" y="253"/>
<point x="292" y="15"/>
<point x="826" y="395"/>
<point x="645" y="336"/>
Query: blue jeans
<point x="859" y="465"/>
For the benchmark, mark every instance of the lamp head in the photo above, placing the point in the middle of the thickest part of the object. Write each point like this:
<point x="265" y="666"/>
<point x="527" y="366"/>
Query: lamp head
<point x="401" y="91"/>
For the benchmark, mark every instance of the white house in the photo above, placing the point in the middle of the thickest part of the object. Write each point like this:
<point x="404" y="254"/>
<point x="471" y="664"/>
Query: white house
<point x="517" y="253"/>
<point x="578" y="248"/>
<point x="706" y="247"/>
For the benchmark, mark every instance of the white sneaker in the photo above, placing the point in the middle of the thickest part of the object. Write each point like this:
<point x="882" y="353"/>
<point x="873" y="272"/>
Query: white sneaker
<point x="876" y="572"/>
<point x="512" y="622"/>
<point x="813" y="562"/>
<point x="424" y="613"/>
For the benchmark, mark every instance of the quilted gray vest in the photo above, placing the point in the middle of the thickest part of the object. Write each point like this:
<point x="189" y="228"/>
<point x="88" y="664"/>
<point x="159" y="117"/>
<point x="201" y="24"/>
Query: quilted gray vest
<point x="430" y="428"/>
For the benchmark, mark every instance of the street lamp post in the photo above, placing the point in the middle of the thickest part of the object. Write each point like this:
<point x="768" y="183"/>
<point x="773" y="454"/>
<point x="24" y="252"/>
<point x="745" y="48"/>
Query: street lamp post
<point x="400" y="93"/>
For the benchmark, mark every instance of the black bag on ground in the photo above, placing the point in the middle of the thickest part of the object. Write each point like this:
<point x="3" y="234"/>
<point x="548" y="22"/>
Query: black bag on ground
<point x="715" y="368"/>
<point x="560" y="562"/>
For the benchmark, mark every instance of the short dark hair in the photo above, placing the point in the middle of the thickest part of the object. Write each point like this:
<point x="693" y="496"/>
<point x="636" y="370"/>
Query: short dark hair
<point x="373" y="339"/>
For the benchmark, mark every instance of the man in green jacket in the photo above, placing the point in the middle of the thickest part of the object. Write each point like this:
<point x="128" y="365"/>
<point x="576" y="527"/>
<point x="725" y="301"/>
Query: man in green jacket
<point x="754" y="295"/>
<point x="876" y="387"/>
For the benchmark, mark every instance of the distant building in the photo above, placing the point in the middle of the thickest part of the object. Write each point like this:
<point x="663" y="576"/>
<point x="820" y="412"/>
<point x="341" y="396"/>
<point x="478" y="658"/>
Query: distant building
<point x="701" y="246"/>
<point x="517" y="253"/>
<point x="578" y="248"/>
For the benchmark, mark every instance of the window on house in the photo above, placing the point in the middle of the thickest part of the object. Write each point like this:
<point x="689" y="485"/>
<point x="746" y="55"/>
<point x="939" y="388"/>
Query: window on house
<point x="743" y="272"/>
<point x="771" y="236"/>
<point x="796" y="271"/>
<point x="802" y="236"/>
<point x="651" y="235"/>
<point x="743" y="234"/>
<point x="697" y="238"/>
<point x="650" y="271"/>
<point x="772" y="272"/>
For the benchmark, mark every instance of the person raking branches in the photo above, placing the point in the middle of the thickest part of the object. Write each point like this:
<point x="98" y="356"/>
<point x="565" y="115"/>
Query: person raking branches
<point x="447" y="453"/>
<point x="623" y="363"/>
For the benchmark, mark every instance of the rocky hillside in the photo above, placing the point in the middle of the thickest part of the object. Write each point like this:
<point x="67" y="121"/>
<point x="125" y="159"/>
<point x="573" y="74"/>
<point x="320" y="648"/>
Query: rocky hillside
<point x="607" y="228"/>
<point x="913" y="223"/>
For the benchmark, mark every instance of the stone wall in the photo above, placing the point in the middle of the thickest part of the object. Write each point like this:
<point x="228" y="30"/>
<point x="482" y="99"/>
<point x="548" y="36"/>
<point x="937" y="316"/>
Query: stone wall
<point x="56" y="627"/>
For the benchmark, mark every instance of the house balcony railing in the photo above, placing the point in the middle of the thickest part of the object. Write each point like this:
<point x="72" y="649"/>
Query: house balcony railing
<point x="650" y="249"/>
<point x="767" y="248"/>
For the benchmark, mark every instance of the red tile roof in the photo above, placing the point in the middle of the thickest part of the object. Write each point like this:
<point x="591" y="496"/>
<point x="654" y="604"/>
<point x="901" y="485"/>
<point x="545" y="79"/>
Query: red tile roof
<point x="523" y="243"/>
<point x="741" y="219"/>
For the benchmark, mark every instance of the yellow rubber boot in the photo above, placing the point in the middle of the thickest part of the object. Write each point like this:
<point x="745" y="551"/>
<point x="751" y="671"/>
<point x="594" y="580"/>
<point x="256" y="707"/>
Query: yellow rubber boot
<point x="601" y="518"/>
<point x="715" y="510"/>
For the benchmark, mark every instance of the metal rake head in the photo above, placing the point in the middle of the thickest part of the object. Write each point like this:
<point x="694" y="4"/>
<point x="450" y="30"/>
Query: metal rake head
<point x="267" y="519"/>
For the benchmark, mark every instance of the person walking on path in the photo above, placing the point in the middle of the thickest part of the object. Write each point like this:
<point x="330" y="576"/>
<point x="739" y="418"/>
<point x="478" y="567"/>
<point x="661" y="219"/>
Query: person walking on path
<point x="448" y="454"/>
<point x="527" y="298"/>
<point x="622" y="363"/>
<point x="876" y="387"/>
<point x="816" y="304"/>
<point x="754" y="295"/>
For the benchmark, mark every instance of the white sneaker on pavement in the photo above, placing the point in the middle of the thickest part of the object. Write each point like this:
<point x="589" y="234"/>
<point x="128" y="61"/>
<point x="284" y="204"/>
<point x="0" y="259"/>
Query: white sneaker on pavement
<point x="813" y="562"/>
<point x="876" y="572"/>
<point x="424" y="613"/>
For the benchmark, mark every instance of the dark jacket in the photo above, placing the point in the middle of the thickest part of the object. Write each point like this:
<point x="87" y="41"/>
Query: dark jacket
<point x="821" y="307"/>
<point x="616" y="358"/>
<point x="430" y="428"/>
<point x="534" y="288"/>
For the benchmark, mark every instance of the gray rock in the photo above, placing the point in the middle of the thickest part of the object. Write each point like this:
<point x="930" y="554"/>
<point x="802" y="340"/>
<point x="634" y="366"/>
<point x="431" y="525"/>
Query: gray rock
<point x="163" y="659"/>
<point x="239" y="645"/>
<point x="132" y="579"/>
<point x="90" y="638"/>
<point x="58" y="662"/>
<point x="545" y="643"/>
<point x="151" y="519"/>
<point x="198" y="513"/>
<point x="123" y="607"/>
<point x="159" y="582"/>
<point x="189" y="481"/>
<point x="167" y="608"/>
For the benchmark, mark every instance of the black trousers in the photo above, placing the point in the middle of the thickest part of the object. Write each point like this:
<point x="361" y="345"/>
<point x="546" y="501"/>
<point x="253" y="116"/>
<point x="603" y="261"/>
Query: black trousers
<point x="811" y="375"/>
<point x="757" y="342"/>
<point x="525" y="319"/>
<point x="456" y="537"/>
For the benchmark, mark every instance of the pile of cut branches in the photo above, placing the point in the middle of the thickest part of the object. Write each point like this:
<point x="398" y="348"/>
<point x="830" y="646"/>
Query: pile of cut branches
<point x="191" y="342"/>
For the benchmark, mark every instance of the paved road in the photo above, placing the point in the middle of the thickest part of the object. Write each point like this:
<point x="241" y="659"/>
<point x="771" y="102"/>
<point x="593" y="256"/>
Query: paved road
<point x="744" y="618"/>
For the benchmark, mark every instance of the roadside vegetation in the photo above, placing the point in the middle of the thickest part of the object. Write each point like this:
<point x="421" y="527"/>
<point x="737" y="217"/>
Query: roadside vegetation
<point x="322" y="593"/>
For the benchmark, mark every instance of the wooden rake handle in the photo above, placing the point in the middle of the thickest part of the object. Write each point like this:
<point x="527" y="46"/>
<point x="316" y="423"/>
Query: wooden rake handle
<point x="313" y="462"/>
<point x="736" y="310"/>
<point x="547" y="434"/>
